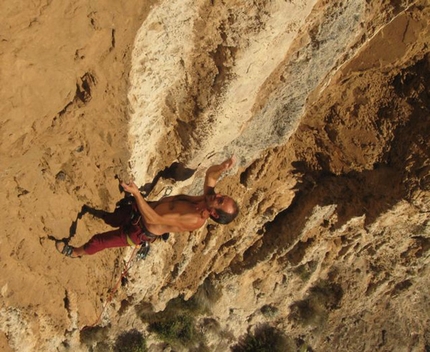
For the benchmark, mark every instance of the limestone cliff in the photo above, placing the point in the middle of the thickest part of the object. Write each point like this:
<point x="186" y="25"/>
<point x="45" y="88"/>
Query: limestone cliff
<point x="325" y="105"/>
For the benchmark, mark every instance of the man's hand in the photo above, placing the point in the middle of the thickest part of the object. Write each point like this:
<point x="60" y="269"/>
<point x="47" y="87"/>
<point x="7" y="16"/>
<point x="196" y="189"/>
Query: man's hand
<point x="228" y="164"/>
<point x="130" y="187"/>
<point x="214" y="173"/>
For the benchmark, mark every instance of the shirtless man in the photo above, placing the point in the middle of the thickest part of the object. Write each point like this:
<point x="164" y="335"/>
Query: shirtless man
<point x="142" y="221"/>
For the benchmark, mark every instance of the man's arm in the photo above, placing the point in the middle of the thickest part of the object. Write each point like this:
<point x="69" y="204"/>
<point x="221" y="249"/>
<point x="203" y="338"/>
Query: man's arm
<point x="149" y="215"/>
<point x="214" y="173"/>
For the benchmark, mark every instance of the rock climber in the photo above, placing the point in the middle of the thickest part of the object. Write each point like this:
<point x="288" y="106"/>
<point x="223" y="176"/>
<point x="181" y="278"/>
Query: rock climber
<point x="142" y="221"/>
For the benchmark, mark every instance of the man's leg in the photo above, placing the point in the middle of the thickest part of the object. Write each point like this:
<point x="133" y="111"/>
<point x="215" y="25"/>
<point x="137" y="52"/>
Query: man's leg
<point x="119" y="217"/>
<point x="115" y="219"/>
<point x="97" y="243"/>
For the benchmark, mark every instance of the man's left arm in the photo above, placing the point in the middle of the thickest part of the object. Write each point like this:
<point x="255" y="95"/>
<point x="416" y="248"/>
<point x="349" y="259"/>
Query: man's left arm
<point x="214" y="172"/>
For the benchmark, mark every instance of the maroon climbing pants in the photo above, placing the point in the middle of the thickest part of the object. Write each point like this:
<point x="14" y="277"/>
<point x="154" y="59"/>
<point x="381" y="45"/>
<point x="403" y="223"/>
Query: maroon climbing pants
<point x="130" y="231"/>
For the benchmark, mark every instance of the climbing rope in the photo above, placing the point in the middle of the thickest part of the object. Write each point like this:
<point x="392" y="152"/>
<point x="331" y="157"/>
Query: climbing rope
<point x="114" y="289"/>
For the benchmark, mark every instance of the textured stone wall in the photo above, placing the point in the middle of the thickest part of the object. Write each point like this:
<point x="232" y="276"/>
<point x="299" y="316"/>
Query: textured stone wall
<point x="325" y="105"/>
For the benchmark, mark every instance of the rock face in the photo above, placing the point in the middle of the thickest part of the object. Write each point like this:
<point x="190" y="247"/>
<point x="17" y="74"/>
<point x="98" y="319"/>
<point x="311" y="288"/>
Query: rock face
<point x="324" y="104"/>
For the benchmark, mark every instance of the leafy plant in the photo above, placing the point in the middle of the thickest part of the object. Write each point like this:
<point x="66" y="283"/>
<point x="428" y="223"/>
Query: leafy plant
<point x="179" y="328"/>
<point x="131" y="341"/>
<point x="264" y="339"/>
<point x="176" y="324"/>
<point x="269" y="311"/>
<point x="91" y="335"/>
<point x="314" y="309"/>
<point x="305" y="271"/>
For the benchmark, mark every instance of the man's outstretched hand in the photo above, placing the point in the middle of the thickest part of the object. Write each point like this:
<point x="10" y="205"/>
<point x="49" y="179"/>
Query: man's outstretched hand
<point x="228" y="164"/>
<point x="214" y="173"/>
<point x="130" y="187"/>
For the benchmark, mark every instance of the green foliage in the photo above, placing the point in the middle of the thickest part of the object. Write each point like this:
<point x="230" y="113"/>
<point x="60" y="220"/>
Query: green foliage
<point x="131" y="341"/>
<point x="305" y="271"/>
<point x="264" y="339"/>
<point x="269" y="311"/>
<point x="176" y="324"/>
<point x="92" y="335"/>
<point x="315" y="308"/>
<point x="101" y="346"/>
<point x="179" y="328"/>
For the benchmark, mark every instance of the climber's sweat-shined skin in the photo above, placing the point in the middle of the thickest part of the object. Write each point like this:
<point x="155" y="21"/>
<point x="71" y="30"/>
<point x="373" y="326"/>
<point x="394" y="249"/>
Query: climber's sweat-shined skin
<point x="180" y="213"/>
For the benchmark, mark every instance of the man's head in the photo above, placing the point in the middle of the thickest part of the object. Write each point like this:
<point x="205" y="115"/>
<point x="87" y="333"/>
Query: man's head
<point x="223" y="209"/>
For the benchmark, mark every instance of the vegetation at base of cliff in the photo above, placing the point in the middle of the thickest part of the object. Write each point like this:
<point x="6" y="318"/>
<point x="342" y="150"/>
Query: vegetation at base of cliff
<point x="314" y="309"/>
<point x="91" y="335"/>
<point x="176" y="329"/>
<point x="96" y="338"/>
<point x="264" y="339"/>
<point x="130" y="341"/>
<point x="177" y="323"/>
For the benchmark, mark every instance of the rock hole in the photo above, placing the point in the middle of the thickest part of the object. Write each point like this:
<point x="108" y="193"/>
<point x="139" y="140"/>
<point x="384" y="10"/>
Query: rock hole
<point x="176" y="171"/>
<point x="66" y="301"/>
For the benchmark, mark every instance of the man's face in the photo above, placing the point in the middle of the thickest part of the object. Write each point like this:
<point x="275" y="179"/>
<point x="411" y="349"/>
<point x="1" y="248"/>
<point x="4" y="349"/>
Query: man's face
<point x="219" y="201"/>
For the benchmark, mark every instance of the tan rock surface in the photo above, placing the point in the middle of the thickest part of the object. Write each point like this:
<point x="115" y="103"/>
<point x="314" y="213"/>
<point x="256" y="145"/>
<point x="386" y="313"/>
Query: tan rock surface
<point x="325" y="104"/>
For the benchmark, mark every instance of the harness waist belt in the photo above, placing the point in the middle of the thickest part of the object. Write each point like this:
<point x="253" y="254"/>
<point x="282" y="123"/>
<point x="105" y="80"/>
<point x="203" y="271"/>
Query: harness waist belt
<point x="130" y="241"/>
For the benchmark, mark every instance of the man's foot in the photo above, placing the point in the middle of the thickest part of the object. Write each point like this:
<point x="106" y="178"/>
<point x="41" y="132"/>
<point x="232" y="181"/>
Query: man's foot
<point x="65" y="249"/>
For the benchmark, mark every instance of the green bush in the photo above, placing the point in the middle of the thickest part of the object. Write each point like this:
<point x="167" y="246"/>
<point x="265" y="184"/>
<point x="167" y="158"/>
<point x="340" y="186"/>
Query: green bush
<point x="315" y="308"/>
<point x="269" y="311"/>
<point x="305" y="271"/>
<point x="91" y="335"/>
<point x="176" y="324"/>
<point x="264" y="339"/>
<point x="131" y="341"/>
<point x="179" y="328"/>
